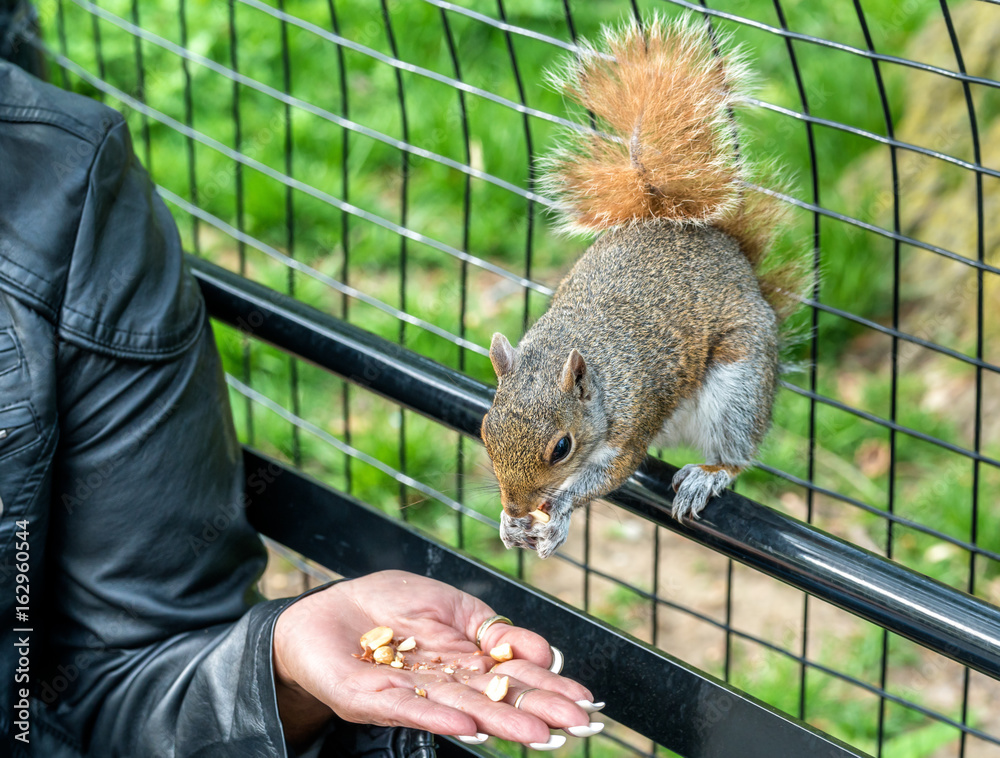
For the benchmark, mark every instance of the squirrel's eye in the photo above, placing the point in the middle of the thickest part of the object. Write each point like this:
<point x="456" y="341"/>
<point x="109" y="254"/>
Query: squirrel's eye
<point x="561" y="450"/>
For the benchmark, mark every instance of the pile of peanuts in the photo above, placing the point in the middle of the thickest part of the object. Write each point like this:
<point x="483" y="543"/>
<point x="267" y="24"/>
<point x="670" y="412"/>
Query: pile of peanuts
<point x="377" y="647"/>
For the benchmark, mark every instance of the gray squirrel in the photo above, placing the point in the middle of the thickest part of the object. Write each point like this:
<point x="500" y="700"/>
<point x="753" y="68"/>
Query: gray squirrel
<point x="667" y="328"/>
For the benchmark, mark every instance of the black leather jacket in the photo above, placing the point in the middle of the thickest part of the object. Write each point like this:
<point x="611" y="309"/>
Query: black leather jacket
<point x="120" y="472"/>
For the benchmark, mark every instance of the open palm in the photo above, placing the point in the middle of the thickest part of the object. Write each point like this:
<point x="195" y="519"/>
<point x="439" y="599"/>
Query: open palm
<point x="318" y="665"/>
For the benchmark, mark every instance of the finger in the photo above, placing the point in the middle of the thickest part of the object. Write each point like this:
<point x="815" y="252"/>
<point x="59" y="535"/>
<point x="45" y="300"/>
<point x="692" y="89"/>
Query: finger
<point x="556" y="712"/>
<point x="571" y="710"/>
<point x="498" y="719"/>
<point x="551" y="707"/>
<point x="523" y="643"/>
<point x="536" y="676"/>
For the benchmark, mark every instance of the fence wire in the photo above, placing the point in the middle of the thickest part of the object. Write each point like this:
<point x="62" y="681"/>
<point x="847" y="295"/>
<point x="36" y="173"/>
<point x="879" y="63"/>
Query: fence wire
<point x="376" y="159"/>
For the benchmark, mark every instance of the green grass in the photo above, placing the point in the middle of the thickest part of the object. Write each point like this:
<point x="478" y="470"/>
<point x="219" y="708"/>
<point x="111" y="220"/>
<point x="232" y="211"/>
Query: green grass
<point x="932" y="486"/>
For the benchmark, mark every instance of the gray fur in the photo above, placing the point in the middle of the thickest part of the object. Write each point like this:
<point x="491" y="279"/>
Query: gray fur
<point x="670" y="321"/>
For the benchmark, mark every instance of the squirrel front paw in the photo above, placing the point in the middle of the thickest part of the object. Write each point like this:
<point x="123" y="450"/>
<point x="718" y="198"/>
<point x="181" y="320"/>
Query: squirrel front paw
<point x="530" y="534"/>
<point x="695" y="484"/>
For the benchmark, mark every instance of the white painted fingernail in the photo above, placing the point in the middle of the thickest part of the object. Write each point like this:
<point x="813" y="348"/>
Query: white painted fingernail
<point x="477" y="739"/>
<point x="557" y="660"/>
<point x="555" y="742"/>
<point x="590" y="707"/>
<point x="589" y="730"/>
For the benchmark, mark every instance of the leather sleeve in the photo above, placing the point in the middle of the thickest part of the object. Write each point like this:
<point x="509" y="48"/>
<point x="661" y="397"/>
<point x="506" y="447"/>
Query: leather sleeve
<point x="155" y="645"/>
<point x="151" y="567"/>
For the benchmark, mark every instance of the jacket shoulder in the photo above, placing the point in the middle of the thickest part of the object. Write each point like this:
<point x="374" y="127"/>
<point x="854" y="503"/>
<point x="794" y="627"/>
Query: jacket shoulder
<point x="49" y="140"/>
<point x="84" y="238"/>
<point x="27" y="100"/>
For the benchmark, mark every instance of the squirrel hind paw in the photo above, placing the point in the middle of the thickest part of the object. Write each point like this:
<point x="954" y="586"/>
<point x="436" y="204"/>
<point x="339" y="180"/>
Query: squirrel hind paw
<point x="696" y="484"/>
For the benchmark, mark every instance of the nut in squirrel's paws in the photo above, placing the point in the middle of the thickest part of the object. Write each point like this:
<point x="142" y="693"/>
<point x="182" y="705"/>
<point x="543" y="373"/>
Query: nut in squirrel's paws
<point x="695" y="484"/>
<point x="543" y="530"/>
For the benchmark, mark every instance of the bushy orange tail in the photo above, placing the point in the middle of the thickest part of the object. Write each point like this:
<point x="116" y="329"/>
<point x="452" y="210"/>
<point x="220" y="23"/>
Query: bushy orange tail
<point x="665" y="148"/>
<point x="666" y="145"/>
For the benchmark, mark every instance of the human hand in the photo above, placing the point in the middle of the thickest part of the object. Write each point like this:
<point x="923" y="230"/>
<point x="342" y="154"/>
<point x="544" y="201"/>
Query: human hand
<point x="317" y="668"/>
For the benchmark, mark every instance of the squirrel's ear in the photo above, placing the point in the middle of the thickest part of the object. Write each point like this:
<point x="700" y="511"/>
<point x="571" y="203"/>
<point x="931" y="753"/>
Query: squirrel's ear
<point x="502" y="355"/>
<point x="574" y="373"/>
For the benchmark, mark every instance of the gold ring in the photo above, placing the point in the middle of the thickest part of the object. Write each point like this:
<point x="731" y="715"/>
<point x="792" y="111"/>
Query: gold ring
<point x="487" y="624"/>
<point x="517" y="702"/>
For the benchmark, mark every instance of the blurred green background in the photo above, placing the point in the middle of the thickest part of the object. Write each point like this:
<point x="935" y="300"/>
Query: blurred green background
<point x="337" y="248"/>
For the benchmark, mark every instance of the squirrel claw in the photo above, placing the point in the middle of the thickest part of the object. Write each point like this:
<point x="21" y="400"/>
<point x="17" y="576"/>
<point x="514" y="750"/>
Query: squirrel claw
<point x="680" y="476"/>
<point x="695" y="486"/>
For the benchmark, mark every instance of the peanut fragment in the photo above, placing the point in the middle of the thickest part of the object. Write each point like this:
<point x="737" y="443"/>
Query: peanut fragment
<point x="496" y="690"/>
<point x="420" y="691"/>
<point x="376" y="638"/>
<point x="408" y="644"/>
<point x="397" y="664"/>
<point x="502" y="652"/>
<point x="540" y="516"/>
<point x="384" y="654"/>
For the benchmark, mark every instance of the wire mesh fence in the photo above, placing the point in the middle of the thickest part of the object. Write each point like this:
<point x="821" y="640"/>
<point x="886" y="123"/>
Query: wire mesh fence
<point x="375" y="159"/>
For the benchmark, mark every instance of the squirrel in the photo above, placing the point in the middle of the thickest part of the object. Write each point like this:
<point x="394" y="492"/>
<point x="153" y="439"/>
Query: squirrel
<point x="667" y="328"/>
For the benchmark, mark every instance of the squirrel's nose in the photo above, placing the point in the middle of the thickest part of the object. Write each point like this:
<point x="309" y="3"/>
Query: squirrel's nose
<point x="512" y="508"/>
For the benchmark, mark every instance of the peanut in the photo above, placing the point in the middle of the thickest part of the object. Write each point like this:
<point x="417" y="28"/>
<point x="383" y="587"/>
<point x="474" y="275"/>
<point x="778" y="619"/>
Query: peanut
<point x="540" y="516"/>
<point x="376" y="638"/>
<point x="408" y="644"/>
<point x="502" y="652"/>
<point x="496" y="690"/>
<point x="384" y="654"/>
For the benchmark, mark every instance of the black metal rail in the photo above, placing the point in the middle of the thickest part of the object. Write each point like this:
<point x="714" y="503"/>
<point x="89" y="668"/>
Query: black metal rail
<point x="950" y="622"/>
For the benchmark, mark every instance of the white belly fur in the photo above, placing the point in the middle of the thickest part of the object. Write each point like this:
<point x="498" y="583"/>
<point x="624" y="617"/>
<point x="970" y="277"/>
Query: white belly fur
<point x="701" y="420"/>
